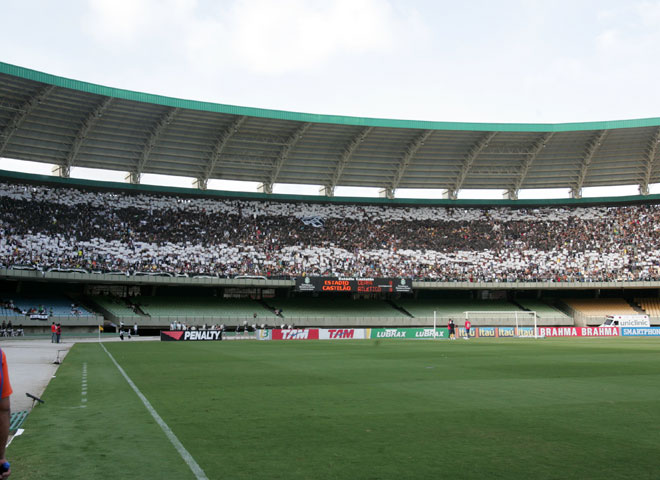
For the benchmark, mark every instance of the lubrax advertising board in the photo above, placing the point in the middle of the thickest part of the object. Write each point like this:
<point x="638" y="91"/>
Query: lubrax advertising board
<point x="353" y="284"/>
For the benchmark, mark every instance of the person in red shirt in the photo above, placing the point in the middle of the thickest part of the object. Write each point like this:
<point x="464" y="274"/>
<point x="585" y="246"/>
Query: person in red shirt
<point x="5" y="392"/>
<point x="468" y="325"/>
<point x="53" y="331"/>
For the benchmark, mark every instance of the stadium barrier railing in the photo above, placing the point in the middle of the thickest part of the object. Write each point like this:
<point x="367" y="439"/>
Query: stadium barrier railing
<point x="15" y="274"/>
<point x="331" y="321"/>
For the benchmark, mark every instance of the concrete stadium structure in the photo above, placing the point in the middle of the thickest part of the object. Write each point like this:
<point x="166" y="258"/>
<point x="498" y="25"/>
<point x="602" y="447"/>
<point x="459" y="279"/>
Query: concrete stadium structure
<point x="70" y="123"/>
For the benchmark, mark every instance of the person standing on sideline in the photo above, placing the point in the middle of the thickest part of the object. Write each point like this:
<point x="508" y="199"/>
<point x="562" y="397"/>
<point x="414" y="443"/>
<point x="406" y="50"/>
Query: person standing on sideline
<point x="53" y="329"/>
<point x="135" y="329"/>
<point x="5" y="392"/>
<point x="451" y="327"/>
<point x="58" y="332"/>
<point x="468" y="325"/>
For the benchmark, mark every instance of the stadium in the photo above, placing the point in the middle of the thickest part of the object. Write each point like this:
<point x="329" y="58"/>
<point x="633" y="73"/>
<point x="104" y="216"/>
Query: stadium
<point x="197" y="265"/>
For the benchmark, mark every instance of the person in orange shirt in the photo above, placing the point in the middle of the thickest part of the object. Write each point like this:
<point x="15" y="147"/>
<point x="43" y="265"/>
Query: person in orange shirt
<point x="5" y="392"/>
<point x="52" y="332"/>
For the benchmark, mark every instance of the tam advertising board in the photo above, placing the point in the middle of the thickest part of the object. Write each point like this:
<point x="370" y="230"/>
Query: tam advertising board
<point x="190" y="335"/>
<point x="295" y="334"/>
<point x="578" y="331"/>
<point x="342" y="333"/>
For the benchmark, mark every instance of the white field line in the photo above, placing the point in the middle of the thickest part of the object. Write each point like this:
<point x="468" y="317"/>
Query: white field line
<point x="83" y="392"/>
<point x="194" y="466"/>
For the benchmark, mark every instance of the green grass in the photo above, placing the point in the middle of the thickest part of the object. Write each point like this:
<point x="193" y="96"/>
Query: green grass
<point x="478" y="409"/>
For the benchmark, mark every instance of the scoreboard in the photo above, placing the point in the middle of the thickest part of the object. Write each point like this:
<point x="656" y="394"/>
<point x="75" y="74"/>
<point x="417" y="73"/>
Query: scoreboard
<point x="353" y="284"/>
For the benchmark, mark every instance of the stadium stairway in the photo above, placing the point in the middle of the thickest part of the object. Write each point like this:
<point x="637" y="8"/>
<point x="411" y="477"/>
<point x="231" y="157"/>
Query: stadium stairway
<point x="400" y="309"/>
<point x="269" y="308"/>
<point x="636" y="307"/>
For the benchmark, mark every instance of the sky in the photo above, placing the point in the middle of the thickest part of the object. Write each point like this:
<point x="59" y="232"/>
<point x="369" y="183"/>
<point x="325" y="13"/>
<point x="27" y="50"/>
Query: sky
<point x="520" y="61"/>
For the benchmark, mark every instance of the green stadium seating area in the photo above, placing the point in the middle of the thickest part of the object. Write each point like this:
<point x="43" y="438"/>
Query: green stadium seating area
<point x="331" y="307"/>
<point x="115" y="306"/>
<point x="542" y="309"/>
<point x="453" y="308"/>
<point x="210" y="307"/>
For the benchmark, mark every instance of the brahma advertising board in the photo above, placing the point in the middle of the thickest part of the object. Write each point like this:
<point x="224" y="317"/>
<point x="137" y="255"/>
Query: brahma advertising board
<point x="578" y="331"/>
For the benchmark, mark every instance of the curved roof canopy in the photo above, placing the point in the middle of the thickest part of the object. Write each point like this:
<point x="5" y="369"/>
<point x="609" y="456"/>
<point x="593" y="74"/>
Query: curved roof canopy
<point x="44" y="118"/>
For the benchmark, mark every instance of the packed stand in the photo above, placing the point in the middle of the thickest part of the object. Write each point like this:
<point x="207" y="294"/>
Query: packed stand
<point x="67" y="229"/>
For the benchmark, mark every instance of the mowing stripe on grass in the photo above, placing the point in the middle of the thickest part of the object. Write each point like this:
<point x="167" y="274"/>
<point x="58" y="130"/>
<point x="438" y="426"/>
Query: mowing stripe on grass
<point x="194" y="466"/>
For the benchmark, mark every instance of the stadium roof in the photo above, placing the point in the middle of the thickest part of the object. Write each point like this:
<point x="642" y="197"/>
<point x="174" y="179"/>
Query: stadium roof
<point x="55" y="120"/>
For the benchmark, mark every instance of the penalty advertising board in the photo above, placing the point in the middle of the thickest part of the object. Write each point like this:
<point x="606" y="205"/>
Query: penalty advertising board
<point x="190" y="335"/>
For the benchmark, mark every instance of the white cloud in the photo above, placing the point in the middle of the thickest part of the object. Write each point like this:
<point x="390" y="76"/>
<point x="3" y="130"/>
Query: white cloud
<point x="260" y="36"/>
<point x="608" y="38"/>
<point x="276" y="37"/>
<point x="118" y="21"/>
<point x="122" y="23"/>
<point x="649" y="13"/>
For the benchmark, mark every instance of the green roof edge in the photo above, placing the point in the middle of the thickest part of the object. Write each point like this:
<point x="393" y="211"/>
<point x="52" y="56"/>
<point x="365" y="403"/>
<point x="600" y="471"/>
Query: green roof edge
<point x="474" y="203"/>
<point x="34" y="75"/>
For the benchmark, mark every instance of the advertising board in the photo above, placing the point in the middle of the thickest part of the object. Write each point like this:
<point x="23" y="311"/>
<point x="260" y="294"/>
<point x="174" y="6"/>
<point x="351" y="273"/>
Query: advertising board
<point x="264" y="334"/>
<point x="410" y="333"/>
<point x="505" y="332"/>
<point x="640" y="332"/>
<point x="353" y="284"/>
<point x="342" y="333"/>
<point x="295" y="334"/>
<point x="190" y="335"/>
<point x="578" y="331"/>
<point x="239" y="335"/>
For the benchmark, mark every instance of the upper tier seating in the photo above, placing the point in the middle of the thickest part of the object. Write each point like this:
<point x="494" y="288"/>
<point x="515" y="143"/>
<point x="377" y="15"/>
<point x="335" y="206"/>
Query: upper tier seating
<point x="57" y="228"/>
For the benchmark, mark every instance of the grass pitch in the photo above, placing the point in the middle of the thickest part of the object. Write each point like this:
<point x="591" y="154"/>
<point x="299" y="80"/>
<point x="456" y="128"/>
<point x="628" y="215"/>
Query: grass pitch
<point x="478" y="409"/>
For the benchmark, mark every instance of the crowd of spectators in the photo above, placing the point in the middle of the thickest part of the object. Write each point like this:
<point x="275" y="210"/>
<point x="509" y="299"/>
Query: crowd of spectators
<point x="69" y="229"/>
